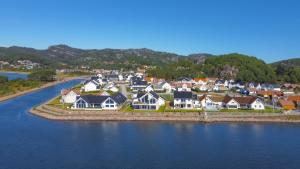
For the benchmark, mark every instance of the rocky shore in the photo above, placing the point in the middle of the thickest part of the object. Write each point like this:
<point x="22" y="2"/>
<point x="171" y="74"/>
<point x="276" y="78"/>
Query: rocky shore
<point x="54" y="113"/>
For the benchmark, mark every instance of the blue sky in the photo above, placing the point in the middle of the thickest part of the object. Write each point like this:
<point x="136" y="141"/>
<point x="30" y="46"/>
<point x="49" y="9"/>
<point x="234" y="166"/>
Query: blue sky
<point x="267" y="29"/>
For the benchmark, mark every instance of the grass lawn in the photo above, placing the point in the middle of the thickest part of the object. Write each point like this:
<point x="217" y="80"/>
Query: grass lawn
<point x="166" y="96"/>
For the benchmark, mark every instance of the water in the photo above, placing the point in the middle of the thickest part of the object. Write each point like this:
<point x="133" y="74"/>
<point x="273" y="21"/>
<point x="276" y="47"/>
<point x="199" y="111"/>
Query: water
<point x="30" y="142"/>
<point x="13" y="76"/>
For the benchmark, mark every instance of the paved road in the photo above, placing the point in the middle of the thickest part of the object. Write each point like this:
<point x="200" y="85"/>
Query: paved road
<point x="123" y="90"/>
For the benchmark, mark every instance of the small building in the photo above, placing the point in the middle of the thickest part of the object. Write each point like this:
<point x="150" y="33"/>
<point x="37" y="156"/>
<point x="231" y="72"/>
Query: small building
<point x="286" y="104"/>
<point x="162" y="86"/>
<point x="211" y="102"/>
<point x="69" y="96"/>
<point x="90" y="85"/>
<point x="295" y="99"/>
<point x="148" y="101"/>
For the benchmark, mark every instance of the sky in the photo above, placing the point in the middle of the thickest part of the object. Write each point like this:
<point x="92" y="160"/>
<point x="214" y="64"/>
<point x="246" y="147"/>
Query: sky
<point x="267" y="29"/>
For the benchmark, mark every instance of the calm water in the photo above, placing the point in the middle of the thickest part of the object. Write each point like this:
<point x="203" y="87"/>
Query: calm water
<point x="30" y="142"/>
<point x="13" y="76"/>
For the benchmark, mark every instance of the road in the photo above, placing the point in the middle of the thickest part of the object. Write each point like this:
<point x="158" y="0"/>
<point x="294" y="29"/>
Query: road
<point x="123" y="90"/>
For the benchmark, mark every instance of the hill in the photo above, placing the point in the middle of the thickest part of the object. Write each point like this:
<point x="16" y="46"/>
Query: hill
<point x="65" y="56"/>
<point x="288" y="70"/>
<point x="169" y="65"/>
<point x="289" y="62"/>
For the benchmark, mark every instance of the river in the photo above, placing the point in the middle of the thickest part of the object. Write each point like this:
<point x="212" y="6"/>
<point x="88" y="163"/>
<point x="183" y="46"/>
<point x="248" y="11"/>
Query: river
<point x="30" y="142"/>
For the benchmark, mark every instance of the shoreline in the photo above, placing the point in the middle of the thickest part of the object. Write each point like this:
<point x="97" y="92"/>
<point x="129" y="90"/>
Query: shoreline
<point x="8" y="71"/>
<point x="53" y="113"/>
<point x="8" y="97"/>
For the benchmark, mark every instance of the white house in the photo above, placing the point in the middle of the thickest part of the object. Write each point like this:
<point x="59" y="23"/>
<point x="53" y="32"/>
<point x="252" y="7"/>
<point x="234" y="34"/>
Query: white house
<point x="68" y="96"/>
<point x="211" y="102"/>
<point x="93" y="102"/>
<point x="185" y="100"/>
<point x="162" y="86"/>
<point x="249" y="102"/>
<point x="90" y="86"/>
<point x="147" y="101"/>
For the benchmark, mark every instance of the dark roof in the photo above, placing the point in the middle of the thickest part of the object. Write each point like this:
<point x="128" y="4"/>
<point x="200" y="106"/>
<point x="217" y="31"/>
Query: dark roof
<point x="183" y="94"/>
<point x="135" y="78"/>
<point x="94" y="99"/>
<point x="112" y="76"/>
<point x="140" y="82"/>
<point x="141" y="94"/>
<point x="184" y="79"/>
<point x="154" y="94"/>
<point x="119" y="98"/>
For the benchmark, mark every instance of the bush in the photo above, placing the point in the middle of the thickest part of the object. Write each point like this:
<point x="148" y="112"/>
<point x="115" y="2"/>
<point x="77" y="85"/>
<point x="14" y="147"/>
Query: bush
<point x="3" y="79"/>
<point x="43" y="75"/>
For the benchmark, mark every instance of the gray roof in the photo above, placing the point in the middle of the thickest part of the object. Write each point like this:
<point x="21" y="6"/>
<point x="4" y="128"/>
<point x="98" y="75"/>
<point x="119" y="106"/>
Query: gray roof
<point x="94" y="99"/>
<point x="141" y="94"/>
<point x="140" y="82"/>
<point x="119" y="98"/>
<point x="183" y="95"/>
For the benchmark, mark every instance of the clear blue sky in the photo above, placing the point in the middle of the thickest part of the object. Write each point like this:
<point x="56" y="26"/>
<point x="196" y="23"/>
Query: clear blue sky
<point x="268" y="29"/>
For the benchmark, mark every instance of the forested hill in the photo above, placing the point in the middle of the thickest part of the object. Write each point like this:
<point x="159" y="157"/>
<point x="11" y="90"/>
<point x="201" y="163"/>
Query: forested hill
<point x="167" y="65"/>
<point x="289" y="62"/>
<point x="288" y="70"/>
<point x="229" y="66"/>
<point x="65" y="56"/>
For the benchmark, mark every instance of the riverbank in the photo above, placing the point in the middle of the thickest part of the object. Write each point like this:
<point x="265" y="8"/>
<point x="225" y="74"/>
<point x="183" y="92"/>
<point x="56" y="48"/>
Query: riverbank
<point x="54" y="113"/>
<point x="10" y="71"/>
<point x="36" y="89"/>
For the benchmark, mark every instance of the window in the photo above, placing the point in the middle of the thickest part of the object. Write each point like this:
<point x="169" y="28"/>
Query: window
<point x="81" y="104"/>
<point x="153" y="107"/>
<point x="152" y="101"/>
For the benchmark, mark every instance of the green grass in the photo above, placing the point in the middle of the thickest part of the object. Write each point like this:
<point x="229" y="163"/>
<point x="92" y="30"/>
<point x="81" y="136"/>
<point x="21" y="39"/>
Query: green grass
<point x="166" y="96"/>
<point x="56" y="103"/>
<point x="267" y="110"/>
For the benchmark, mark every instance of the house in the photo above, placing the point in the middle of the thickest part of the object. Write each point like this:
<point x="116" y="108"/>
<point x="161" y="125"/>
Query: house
<point x="90" y="85"/>
<point x="180" y="86"/>
<point x="149" y="79"/>
<point x="94" y="102"/>
<point x="201" y="81"/>
<point x="149" y="88"/>
<point x="139" y="85"/>
<point x="220" y="88"/>
<point x="295" y="99"/>
<point x="269" y="93"/>
<point x="185" y="80"/>
<point x="162" y="86"/>
<point x="185" y="100"/>
<point x="69" y="96"/>
<point x="112" y="77"/>
<point x="209" y="102"/>
<point x="286" y="104"/>
<point x="248" y="102"/>
<point x="147" y="101"/>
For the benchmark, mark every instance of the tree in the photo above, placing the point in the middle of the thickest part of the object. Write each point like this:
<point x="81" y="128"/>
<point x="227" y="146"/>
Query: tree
<point x="3" y="79"/>
<point x="43" y="75"/>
